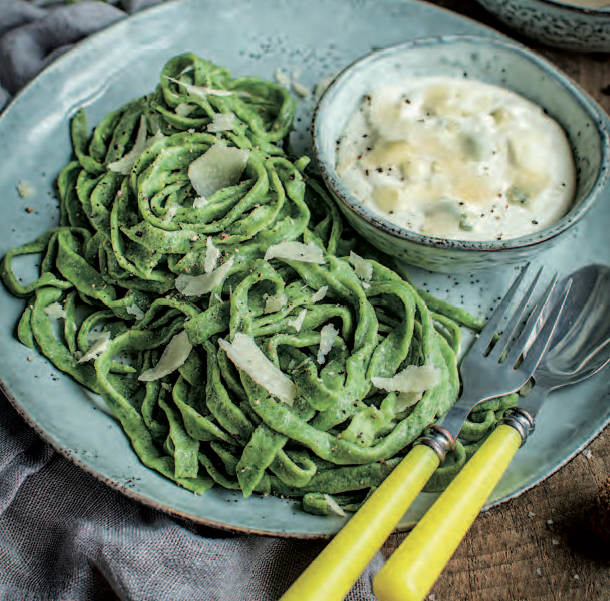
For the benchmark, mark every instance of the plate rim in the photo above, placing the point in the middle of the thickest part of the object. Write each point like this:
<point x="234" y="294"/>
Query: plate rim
<point x="71" y="454"/>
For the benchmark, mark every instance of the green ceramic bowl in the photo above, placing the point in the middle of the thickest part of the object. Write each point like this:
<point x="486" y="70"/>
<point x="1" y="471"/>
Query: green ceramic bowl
<point x="558" y="24"/>
<point x="490" y="60"/>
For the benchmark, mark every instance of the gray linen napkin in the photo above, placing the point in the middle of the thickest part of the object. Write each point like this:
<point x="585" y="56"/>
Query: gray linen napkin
<point x="64" y="536"/>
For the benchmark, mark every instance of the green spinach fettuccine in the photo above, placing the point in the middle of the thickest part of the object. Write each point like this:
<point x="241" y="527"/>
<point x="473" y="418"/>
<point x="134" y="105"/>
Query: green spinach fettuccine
<point x="123" y="278"/>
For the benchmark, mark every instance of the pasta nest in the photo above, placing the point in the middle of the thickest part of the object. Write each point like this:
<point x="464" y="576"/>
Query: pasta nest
<point x="106" y="302"/>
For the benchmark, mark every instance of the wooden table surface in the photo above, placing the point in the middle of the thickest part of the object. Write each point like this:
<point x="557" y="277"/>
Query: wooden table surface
<point x="538" y="547"/>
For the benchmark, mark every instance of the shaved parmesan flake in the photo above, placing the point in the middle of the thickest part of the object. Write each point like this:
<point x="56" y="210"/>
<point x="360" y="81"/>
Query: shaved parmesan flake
<point x="56" y="311"/>
<point x="158" y="136"/>
<point x="407" y="399"/>
<point x="327" y="338"/>
<point x="191" y="285"/>
<point x="219" y="167"/>
<point x="212" y="254"/>
<point x="99" y="344"/>
<point x="174" y="355"/>
<point x="136" y="312"/>
<point x="222" y="122"/>
<point x="319" y="295"/>
<point x="171" y="213"/>
<point x="410" y="379"/>
<point x="125" y="164"/>
<point x="297" y="251"/>
<point x="334" y="506"/>
<point x="184" y="110"/>
<point x="200" y="91"/>
<point x="200" y="202"/>
<point x="363" y="269"/>
<point x="297" y="323"/>
<point x="411" y="383"/>
<point x="301" y="90"/>
<point x="282" y="77"/>
<point x="274" y="303"/>
<point x="25" y="189"/>
<point x="248" y="357"/>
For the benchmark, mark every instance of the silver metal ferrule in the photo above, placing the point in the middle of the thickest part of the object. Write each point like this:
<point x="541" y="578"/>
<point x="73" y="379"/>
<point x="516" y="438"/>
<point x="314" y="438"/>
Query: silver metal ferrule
<point x="439" y="440"/>
<point x="520" y="420"/>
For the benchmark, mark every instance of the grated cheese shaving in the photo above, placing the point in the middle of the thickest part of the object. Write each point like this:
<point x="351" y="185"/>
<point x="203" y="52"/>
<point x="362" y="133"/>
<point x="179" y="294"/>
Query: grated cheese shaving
<point x="363" y="269"/>
<point x="184" y="110"/>
<point x="301" y="90"/>
<point x="99" y="344"/>
<point x="282" y="77"/>
<point x="411" y="383"/>
<point x="327" y="338"/>
<point x="222" y="122"/>
<point x="125" y="164"/>
<point x="56" y="311"/>
<point x="171" y="213"/>
<point x="410" y="379"/>
<point x="297" y="251"/>
<point x="248" y="357"/>
<point x="135" y="311"/>
<point x="212" y="254"/>
<point x="320" y="294"/>
<point x="297" y="323"/>
<point x="200" y="91"/>
<point x="25" y="189"/>
<point x="274" y="303"/>
<point x="334" y="506"/>
<point x="218" y="167"/>
<point x="191" y="285"/>
<point x="174" y="355"/>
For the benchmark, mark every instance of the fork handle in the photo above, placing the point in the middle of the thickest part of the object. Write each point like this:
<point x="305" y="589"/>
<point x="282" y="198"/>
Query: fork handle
<point x="333" y="573"/>
<point x="416" y="564"/>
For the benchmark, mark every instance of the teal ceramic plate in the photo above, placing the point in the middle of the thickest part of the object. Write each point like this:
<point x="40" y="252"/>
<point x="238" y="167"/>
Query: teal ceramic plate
<point x="315" y="39"/>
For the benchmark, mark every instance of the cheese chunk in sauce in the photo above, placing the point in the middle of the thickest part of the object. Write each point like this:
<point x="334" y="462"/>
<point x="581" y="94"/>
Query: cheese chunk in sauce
<point x="457" y="159"/>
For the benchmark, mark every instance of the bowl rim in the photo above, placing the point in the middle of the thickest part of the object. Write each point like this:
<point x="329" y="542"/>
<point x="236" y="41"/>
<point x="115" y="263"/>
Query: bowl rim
<point x="589" y="11"/>
<point x="354" y="205"/>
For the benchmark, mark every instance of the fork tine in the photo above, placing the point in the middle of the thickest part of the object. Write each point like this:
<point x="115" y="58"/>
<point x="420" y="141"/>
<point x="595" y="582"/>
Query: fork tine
<point x="529" y="332"/>
<point x="540" y="345"/>
<point x="510" y="329"/>
<point x="488" y="332"/>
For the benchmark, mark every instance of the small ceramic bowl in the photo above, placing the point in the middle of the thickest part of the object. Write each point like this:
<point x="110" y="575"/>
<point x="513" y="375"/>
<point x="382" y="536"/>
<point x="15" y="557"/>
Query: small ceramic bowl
<point x="557" y="24"/>
<point x="490" y="60"/>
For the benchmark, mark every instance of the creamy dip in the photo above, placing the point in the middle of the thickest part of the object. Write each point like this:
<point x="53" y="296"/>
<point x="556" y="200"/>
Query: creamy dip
<point x="457" y="159"/>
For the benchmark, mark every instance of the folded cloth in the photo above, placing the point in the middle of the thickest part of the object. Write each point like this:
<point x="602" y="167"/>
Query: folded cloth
<point x="63" y="534"/>
<point x="28" y="48"/>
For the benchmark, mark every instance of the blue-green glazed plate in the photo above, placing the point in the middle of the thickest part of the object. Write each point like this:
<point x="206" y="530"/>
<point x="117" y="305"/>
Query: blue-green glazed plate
<point x="314" y="39"/>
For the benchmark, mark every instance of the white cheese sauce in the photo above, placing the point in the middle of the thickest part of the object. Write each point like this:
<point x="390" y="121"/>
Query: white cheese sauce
<point x="457" y="159"/>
